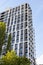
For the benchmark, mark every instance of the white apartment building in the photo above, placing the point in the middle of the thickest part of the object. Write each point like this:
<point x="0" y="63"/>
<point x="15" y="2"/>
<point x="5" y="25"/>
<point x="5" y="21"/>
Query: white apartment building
<point x="19" y="23"/>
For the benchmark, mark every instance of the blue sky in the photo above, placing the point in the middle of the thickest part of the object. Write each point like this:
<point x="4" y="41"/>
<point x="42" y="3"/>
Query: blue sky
<point x="37" y="13"/>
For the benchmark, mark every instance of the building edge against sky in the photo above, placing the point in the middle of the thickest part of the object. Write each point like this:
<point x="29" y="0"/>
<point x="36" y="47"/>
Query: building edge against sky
<point x="19" y="23"/>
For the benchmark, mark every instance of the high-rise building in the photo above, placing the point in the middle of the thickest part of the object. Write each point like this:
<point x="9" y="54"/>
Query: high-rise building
<point x="19" y="23"/>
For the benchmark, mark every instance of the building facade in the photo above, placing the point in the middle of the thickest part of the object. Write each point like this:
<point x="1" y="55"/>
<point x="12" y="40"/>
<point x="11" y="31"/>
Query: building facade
<point x="19" y="23"/>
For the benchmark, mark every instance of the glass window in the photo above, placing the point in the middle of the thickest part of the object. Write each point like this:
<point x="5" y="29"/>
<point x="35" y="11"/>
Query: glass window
<point x="8" y="21"/>
<point x="13" y="27"/>
<point x="14" y="22"/>
<point x="21" y="32"/>
<point x="18" y="18"/>
<point x="10" y="28"/>
<point x="22" y="7"/>
<point x="25" y="25"/>
<point x="20" y="49"/>
<point x="16" y="9"/>
<point x="21" y="25"/>
<point x="21" y="39"/>
<point x="25" y="34"/>
<point x="25" y="16"/>
<point x="13" y="40"/>
<point x="20" y="54"/>
<point x="22" y="15"/>
<point x="17" y="40"/>
<point x="21" y="45"/>
<point x="26" y="6"/>
<point x="13" y="34"/>
<point x="25" y="49"/>
<point x="17" y="33"/>
<point x="18" y="26"/>
<point x="16" y="45"/>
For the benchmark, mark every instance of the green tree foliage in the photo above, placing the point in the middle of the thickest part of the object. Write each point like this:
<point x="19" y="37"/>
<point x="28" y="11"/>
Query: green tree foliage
<point x="9" y="43"/>
<point x="2" y="34"/>
<point x="12" y="59"/>
<point x="9" y="59"/>
<point x="24" y="61"/>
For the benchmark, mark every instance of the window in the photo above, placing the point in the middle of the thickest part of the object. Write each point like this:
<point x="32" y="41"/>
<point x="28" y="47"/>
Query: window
<point x="26" y="6"/>
<point x="15" y="17"/>
<point x="13" y="34"/>
<point x="21" y="45"/>
<point x="25" y="49"/>
<point x="21" y="39"/>
<point x="15" y="22"/>
<point x="20" y="49"/>
<point x="21" y="25"/>
<point x="16" y="46"/>
<point x="17" y="39"/>
<point x="16" y="9"/>
<point x="13" y="27"/>
<point x="25" y="16"/>
<point x="20" y="54"/>
<point x="18" y="18"/>
<point x="22" y="7"/>
<point x="25" y="35"/>
<point x="8" y="21"/>
<point x="18" y="26"/>
<point x="13" y="40"/>
<point x="22" y="15"/>
<point x="17" y="33"/>
<point x="29" y="54"/>
<point x="25" y="25"/>
<point x="21" y="32"/>
<point x="10" y="28"/>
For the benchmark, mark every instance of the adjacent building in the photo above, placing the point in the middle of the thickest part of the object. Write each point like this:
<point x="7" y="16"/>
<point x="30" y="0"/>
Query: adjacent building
<point x="19" y="23"/>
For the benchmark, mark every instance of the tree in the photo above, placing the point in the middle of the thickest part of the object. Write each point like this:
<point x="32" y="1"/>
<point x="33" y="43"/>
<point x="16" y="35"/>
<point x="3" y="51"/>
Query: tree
<point x="12" y="59"/>
<point x="9" y="58"/>
<point x="2" y="34"/>
<point x="25" y="61"/>
<point x="9" y="43"/>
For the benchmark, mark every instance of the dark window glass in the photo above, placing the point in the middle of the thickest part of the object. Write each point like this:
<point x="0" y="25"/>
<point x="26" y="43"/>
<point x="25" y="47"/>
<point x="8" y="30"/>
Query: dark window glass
<point x="21" y="25"/>
<point x="25" y="25"/>
<point x="26" y="6"/>
<point x="25" y="48"/>
<point x="25" y="16"/>
<point x="22" y="17"/>
<point x="21" y="35"/>
<point x="21" y="32"/>
<point x="13" y="27"/>
<point x="25" y="34"/>
<point x="22" y="7"/>
<point x="8" y="21"/>
<point x="17" y="40"/>
<point x="10" y="28"/>
<point x="20" y="49"/>
<point x="13" y="34"/>
<point x="16" y="46"/>
<point x="18" y="26"/>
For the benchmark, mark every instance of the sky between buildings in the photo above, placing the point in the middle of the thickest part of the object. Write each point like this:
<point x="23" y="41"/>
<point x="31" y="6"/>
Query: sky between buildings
<point x="37" y="14"/>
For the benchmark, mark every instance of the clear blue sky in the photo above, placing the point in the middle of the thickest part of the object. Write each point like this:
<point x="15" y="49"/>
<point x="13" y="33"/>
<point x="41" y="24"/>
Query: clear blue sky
<point x="37" y="10"/>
